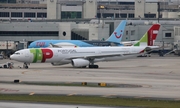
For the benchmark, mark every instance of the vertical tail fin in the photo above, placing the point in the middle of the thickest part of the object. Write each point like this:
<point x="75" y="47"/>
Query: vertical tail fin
<point x="152" y="34"/>
<point x="149" y="37"/>
<point x="116" y="36"/>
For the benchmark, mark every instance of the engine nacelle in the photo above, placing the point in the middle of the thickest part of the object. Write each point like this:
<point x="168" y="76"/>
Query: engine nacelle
<point x="79" y="62"/>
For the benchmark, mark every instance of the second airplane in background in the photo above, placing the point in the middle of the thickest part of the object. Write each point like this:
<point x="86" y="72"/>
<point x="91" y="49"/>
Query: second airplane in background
<point x="113" y="40"/>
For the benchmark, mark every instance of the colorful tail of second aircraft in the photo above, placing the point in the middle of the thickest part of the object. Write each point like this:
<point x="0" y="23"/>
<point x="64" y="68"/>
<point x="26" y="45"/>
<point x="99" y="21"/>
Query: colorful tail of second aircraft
<point x="116" y="36"/>
<point x="149" y="37"/>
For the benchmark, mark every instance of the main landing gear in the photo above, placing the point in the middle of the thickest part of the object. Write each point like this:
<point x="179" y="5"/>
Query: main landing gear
<point x="25" y="65"/>
<point x="92" y="64"/>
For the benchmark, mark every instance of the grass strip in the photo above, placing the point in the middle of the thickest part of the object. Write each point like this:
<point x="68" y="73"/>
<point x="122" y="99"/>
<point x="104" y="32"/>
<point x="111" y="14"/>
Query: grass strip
<point x="92" y="100"/>
<point x="108" y="85"/>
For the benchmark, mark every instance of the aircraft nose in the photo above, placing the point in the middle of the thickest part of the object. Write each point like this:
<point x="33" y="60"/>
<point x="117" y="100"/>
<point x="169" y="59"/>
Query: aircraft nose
<point x="12" y="57"/>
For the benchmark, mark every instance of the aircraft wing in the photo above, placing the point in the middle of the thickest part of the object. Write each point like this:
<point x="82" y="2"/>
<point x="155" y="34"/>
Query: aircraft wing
<point x="94" y="56"/>
<point x="54" y="46"/>
<point x="128" y="55"/>
<point x="105" y="55"/>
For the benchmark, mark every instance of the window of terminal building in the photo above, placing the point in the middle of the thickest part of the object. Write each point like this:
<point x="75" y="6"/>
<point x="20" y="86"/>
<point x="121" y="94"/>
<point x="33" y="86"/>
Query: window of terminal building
<point x="4" y="14"/>
<point x="130" y="15"/>
<point x="117" y="15"/>
<point x="149" y="15"/>
<point x="103" y="3"/>
<point x="108" y="15"/>
<point x="8" y="1"/>
<point x="126" y="3"/>
<point x="29" y="14"/>
<point x="168" y="34"/>
<point x="133" y="32"/>
<point x="71" y="15"/>
<point x="123" y="15"/>
<point x="126" y="32"/>
<point x="98" y="15"/>
<point x="177" y="31"/>
<point x="29" y="33"/>
<point x="16" y="14"/>
<point x="71" y="4"/>
<point x="42" y="15"/>
<point x="35" y="2"/>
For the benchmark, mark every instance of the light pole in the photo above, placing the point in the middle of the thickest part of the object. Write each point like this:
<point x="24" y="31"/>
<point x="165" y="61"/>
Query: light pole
<point x="6" y="48"/>
<point x="158" y="10"/>
<point x="102" y="7"/>
<point x="119" y="13"/>
<point x="148" y="15"/>
<point x="99" y="12"/>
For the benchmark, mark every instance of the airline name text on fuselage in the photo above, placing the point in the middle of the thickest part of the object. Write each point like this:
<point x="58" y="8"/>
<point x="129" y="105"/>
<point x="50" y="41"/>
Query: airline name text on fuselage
<point x="67" y="51"/>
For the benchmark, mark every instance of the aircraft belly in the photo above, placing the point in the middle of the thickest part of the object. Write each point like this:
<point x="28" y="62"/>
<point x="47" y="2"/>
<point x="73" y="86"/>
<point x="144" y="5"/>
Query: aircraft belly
<point x="99" y="59"/>
<point x="52" y="60"/>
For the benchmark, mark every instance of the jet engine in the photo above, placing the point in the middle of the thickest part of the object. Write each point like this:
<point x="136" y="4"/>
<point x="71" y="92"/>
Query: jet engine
<point x="79" y="62"/>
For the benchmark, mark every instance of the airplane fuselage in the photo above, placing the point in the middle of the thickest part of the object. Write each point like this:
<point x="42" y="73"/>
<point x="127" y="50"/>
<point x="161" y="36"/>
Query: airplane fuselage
<point x="65" y="55"/>
<point x="71" y="43"/>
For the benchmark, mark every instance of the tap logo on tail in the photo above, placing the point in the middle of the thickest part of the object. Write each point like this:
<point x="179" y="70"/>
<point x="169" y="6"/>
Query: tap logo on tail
<point x="115" y="33"/>
<point x="152" y="34"/>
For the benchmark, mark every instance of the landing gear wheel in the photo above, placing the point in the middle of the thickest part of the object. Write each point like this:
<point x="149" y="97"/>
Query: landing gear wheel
<point x="93" y="66"/>
<point x="90" y="66"/>
<point x="25" y="66"/>
<point x="83" y="67"/>
<point x="96" y="66"/>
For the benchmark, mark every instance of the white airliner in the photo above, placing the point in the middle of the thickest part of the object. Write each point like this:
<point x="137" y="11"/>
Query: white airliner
<point x="78" y="57"/>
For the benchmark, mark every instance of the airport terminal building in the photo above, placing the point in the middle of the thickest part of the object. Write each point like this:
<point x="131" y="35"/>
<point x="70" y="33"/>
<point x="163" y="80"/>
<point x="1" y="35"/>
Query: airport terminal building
<point x="87" y="19"/>
<point x="83" y="31"/>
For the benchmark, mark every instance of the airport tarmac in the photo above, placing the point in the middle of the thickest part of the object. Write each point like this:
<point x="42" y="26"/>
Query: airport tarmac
<point x="158" y="76"/>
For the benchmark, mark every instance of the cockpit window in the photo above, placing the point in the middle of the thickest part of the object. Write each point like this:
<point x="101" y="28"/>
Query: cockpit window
<point x="17" y="53"/>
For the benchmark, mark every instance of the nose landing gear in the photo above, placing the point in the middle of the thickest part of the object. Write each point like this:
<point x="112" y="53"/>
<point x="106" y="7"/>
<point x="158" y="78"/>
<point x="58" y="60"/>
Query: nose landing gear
<point x="25" y="65"/>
